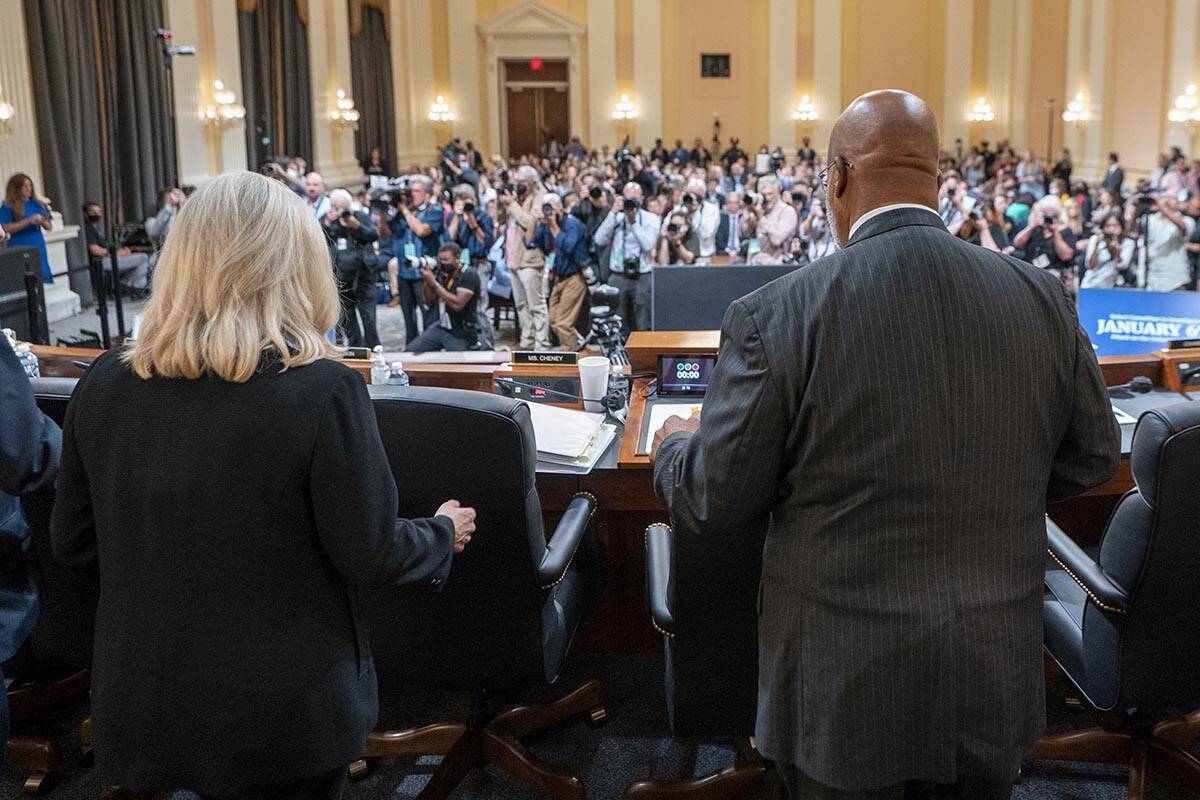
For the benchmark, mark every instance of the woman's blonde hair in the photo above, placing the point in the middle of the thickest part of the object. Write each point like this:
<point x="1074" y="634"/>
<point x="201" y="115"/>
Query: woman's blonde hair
<point x="245" y="270"/>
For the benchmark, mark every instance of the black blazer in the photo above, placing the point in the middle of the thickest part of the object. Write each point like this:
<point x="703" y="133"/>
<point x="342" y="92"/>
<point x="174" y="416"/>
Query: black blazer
<point x="1113" y="181"/>
<point x="900" y="412"/>
<point x="232" y="524"/>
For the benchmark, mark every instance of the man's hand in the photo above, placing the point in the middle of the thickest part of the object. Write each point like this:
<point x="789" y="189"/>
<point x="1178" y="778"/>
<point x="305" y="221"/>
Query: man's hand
<point x="177" y="197"/>
<point x="123" y="252"/>
<point x="458" y="207"/>
<point x="670" y="426"/>
<point x="428" y="276"/>
<point x="331" y="215"/>
<point x="352" y="222"/>
<point x="464" y="522"/>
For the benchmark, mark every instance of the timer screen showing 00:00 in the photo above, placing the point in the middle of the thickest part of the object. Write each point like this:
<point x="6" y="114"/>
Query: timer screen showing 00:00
<point x="683" y="375"/>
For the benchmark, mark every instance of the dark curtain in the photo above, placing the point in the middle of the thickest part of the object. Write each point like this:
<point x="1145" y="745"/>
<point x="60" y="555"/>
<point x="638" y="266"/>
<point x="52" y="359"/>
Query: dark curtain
<point x="62" y="59"/>
<point x="137" y="127"/>
<point x="273" y="42"/>
<point x="371" y="77"/>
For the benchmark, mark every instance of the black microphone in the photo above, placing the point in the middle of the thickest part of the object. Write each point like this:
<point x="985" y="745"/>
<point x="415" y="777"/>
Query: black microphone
<point x="1140" y="384"/>
<point x="613" y="401"/>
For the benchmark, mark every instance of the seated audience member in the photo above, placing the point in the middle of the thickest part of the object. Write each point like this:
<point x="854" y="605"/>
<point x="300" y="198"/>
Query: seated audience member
<point x="776" y="222"/>
<point x="1108" y="259"/>
<point x="678" y="243"/>
<point x="233" y="522"/>
<point x="1047" y="242"/>
<point x="455" y="291"/>
<point x="30" y="444"/>
<point x="134" y="267"/>
<point x="900" y="603"/>
<point x="730" y="236"/>
<point x="352" y="238"/>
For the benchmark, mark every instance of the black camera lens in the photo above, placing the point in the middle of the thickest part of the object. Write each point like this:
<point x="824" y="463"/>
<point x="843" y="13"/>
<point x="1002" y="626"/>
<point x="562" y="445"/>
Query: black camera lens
<point x="672" y="229"/>
<point x="547" y="210"/>
<point x="595" y="192"/>
<point x="630" y="204"/>
<point x="346" y="214"/>
<point x="468" y="208"/>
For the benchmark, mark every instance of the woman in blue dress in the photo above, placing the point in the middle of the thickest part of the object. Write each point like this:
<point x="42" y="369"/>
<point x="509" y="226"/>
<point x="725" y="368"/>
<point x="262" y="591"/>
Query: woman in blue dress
<point x="24" y="218"/>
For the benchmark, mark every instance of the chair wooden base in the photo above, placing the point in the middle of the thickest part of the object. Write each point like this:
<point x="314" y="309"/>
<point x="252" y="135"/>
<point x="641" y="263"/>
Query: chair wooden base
<point x="1163" y="746"/>
<point x="749" y="777"/>
<point x="39" y="756"/>
<point x="492" y="739"/>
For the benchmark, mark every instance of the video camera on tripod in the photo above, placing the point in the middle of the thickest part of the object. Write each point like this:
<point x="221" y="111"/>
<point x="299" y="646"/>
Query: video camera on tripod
<point x="606" y="324"/>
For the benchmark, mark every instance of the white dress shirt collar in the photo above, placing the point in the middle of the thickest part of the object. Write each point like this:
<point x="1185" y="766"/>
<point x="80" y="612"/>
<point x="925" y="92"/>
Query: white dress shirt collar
<point x="875" y="212"/>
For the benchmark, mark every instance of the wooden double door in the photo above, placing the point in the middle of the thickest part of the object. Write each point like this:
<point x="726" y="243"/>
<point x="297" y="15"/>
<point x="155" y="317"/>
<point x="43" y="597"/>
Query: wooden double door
<point x="537" y="106"/>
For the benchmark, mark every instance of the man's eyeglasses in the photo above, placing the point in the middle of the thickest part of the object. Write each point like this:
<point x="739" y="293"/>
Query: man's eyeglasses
<point x="823" y="175"/>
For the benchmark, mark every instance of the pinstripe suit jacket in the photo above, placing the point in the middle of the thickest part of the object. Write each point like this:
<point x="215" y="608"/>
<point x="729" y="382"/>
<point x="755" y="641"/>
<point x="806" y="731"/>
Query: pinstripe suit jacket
<point x="898" y="414"/>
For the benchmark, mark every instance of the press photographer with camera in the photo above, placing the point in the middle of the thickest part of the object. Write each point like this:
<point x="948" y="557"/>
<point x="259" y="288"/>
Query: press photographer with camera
<point x="678" y="244"/>
<point x="1047" y="242"/>
<point x="446" y="285"/>
<point x="776" y="222"/>
<point x="469" y="226"/>
<point x="351" y="236"/>
<point x="703" y="217"/>
<point x="522" y="200"/>
<point x="633" y="233"/>
<point x="416" y="225"/>
<point x="984" y="227"/>
<point x="1165" y="230"/>
<point x="1108" y="260"/>
<point x="562" y="237"/>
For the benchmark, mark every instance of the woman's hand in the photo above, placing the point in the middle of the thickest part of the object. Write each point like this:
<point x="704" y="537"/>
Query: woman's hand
<point x="464" y="522"/>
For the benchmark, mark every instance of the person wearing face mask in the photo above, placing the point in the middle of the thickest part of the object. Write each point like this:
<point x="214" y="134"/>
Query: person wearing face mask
<point x="1108" y="260"/>
<point x="1166" y="234"/>
<point x="134" y="267"/>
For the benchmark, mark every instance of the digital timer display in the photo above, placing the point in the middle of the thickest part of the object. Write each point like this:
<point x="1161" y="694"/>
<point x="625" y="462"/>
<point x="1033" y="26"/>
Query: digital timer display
<point x="684" y="374"/>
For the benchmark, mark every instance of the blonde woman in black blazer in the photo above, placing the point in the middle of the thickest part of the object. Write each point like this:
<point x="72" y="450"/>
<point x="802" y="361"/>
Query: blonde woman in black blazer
<point x="227" y="475"/>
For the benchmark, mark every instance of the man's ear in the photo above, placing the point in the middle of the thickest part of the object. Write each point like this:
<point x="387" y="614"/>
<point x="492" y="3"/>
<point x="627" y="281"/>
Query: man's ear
<point x="842" y="173"/>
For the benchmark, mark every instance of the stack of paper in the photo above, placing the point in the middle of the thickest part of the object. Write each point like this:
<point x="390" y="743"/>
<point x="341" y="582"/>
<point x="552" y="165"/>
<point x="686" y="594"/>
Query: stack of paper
<point x="567" y="437"/>
<point x="584" y="464"/>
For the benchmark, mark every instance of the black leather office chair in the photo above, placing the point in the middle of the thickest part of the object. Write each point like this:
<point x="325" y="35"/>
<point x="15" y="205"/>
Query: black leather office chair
<point x="1124" y="627"/>
<point x="703" y="594"/>
<point x="51" y="668"/>
<point x="503" y="621"/>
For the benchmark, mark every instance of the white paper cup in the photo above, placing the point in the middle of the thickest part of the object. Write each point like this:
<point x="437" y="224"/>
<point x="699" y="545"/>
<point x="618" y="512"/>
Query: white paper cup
<point x="593" y="379"/>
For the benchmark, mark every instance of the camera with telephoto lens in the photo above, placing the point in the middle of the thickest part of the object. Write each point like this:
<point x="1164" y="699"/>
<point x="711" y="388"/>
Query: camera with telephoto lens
<point x="1143" y="203"/>
<point x="547" y="210"/>
<point x="595" y="192"/>
<point x="391" y="195"/>
<point x="672" y="229"/>
<point x="428" y="262"/>
<point x="468" y="208"/>
<point x="630" y="204"/>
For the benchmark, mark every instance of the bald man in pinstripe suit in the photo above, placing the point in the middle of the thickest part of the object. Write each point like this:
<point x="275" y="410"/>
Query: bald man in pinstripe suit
<point x="898" y="414"/>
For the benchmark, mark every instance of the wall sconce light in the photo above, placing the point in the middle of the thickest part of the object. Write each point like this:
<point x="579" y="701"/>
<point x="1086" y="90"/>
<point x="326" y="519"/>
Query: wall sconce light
<point x="806" y="110"/>
<point x="981" y="111"/>
<point x="344" y="114"/>
<point x="624" y="110"/>
<point x="7" y="113"/>
<point x="1077" y="111"/>
<point x="1186" y="112"/>
<point x="439" y="111"/>
<point x="226" y="112"/>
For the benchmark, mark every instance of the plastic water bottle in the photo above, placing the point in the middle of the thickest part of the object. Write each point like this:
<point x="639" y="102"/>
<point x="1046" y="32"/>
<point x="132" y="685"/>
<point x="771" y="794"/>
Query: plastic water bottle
<point x="380" y="372"/>
<point x="617" y="381"/>
<point x="29" y="361"/>
<point x="398" y="376"/>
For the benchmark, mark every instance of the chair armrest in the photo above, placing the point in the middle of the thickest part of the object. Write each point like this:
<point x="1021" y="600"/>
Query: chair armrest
<point x="660" y="558"/>
<point x="1105" y="594"/>
<point x="561" y="548"/>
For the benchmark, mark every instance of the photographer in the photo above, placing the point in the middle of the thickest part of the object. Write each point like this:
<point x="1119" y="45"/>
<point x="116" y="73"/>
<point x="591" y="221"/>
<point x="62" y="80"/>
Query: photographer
<point x="776" y="222"/>
<point x="984" y="227"/>
<point x="457" y="168"/>
<point x="351" y="238"/>
<point x="678" y="244"/>
<point x="633" y="233"/>
<point x="416" y="231"/>
<point x="1047" y="243"/>
<point x="563" y="237"/>
<point x="951" y="198"/>
<point x="469" y="226"/>
<point x="1108" y="260"/>
<point x="457" y="291"/>
<point x="817" y="231"/>
<point x="523" y="203"/>
<point x="170" y="201"/>
<point x="703" y="217"/>
<point x="1166" y="233"/>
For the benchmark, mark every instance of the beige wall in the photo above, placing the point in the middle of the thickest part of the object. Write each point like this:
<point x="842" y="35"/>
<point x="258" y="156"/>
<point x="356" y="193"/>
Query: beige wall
<point x="1134" y="56"/>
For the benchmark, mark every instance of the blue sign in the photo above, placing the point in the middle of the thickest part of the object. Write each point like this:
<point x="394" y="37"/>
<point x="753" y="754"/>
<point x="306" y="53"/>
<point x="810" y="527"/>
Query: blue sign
<point x="1130" y="322"/>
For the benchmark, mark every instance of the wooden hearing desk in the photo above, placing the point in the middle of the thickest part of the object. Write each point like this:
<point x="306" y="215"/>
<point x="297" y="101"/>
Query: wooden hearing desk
<point x="622" y="485"/>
